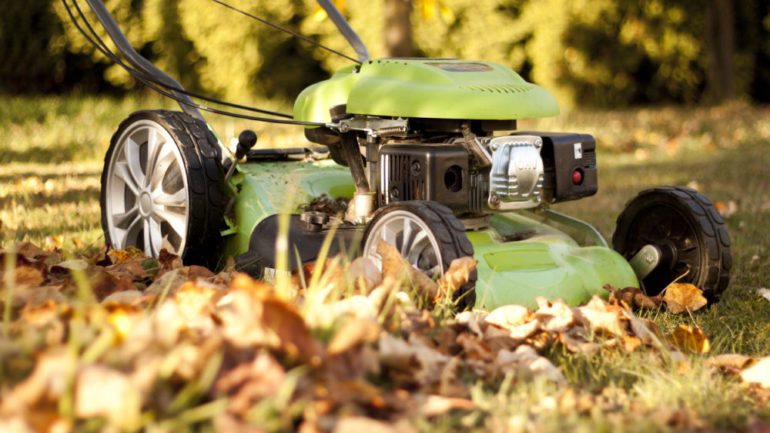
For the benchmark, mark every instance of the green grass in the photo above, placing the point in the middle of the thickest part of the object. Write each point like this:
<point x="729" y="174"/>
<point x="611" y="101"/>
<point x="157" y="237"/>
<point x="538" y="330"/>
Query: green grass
<point x="50" y="163"/>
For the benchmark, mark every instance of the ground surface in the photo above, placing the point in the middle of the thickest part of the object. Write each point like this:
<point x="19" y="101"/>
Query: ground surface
<point x="50" y="162"/>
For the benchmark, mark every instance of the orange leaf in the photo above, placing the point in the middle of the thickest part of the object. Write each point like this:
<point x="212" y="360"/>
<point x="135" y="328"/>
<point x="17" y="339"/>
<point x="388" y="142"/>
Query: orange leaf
<point x="690" y="339"/>
<point x="681" y="297"/>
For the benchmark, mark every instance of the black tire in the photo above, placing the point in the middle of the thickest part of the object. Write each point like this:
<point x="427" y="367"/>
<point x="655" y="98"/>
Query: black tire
<point x="206" y="189"/>
<point x="688" y="230"/>
<point x="448" y="232"/>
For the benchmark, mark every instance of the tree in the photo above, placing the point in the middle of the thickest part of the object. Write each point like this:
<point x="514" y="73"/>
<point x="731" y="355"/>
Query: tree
<point x="721" y="50"/>
<point x="398" y="28"/>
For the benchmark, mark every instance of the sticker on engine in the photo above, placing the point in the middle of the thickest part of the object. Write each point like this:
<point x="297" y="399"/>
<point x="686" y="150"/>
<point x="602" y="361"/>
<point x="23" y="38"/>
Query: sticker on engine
<point x="578" y="150"/>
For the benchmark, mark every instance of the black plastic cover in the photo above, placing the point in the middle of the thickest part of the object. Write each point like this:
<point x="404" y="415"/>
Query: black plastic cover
<point x="437" y="172"/>
<point x="564" y="153"/>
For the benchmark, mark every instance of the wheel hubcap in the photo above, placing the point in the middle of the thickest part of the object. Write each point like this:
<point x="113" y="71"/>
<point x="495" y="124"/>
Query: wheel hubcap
<point x="147" y="202"/>
<point x="411" y="237"/>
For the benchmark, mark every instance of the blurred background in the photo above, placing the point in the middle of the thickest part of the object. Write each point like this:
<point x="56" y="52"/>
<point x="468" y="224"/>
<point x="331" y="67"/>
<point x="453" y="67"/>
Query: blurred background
<point x="597" y="53"/>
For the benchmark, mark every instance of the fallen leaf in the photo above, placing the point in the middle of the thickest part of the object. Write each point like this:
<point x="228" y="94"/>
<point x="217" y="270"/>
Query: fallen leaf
<point x="633" y="297"/>
<point x="507" y="316"/>
<point x="359" y="424"/>
<point x="457" y="275"/>
<point x="364" y="274"/>
<point x="122" y="256"/>
<point x="354" y="332"/>
<point x="286" y="322"/>
<point x="731" y="362"/>
<point x="758" y="373"/>
<point x="108" y="393"/>
<point x="28" y="276"/>
<point x="726" y="210"/>
<point x="436" y="405"/>
<point x="554" y="316"/>
<point x="525" y="359"/>
<point x="394" y="266"/>
<point x="251" y="381"/>
<point x="596" y="316"/>
<point x="765" y="293"/>
<point x="680" y="297"/>
<point x="690" y="339"/>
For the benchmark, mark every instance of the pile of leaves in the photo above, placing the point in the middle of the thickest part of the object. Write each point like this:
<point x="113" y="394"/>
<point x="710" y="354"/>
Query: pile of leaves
<point x="127" y="343"/>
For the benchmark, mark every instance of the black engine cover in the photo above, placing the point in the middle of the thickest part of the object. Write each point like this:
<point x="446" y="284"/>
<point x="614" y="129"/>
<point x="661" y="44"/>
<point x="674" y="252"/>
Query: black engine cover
<point x="437" y="172"/>
<point x="564" y="153"/>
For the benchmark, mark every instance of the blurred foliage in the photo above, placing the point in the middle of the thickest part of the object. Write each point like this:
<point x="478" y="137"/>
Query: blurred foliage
<point x="589" y="52"/>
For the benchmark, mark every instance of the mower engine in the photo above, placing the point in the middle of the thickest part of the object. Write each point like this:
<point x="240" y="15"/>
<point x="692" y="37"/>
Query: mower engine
<point x="474" y="175"/>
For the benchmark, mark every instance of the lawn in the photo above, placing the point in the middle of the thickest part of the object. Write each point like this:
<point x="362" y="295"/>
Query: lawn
<point x="50" y="164"/>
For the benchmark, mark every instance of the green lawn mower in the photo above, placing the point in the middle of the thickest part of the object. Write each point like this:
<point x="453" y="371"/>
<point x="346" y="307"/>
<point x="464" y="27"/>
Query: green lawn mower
<point x="423" y="154"/>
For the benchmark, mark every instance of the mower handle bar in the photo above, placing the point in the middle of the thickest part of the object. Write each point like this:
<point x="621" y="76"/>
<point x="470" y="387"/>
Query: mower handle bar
<point x="148" y="68"/>
<point x="344" y="27"/>
<point x="137" y="61"/>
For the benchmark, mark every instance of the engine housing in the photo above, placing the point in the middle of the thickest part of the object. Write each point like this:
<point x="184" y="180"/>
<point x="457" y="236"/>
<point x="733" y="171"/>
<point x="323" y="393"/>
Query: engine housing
<point x="527" y="169"/>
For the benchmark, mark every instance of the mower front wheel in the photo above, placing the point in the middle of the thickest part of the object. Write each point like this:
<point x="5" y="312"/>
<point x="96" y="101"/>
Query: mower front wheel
<point x="427" y="235"/>
<point x="689" y="234"/>
<point x="163" y="187"/>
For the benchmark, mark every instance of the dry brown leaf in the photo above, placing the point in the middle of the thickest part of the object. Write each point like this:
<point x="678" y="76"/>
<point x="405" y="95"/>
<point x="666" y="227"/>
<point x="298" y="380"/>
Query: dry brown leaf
<point x="633" y="297"/>
<point x="471" y="320"/>
<point x="730" y="362"/>
<point x="27" y="276"/>
<point x="526" y="360"/>
<point x="359" y="424"/>
<point x="394" y="266"/>
<point x="690" y="339"/>
<point x="644" y="329"/>
<point x="104" y="392"/>
<point x="758" y="373"/>
<point x="597" y="317"/>
<point x="47" y="383"/>
<point x="457" y="275"/>
<point x="122" y="256"/>
<point x="286" y="322"/>
<point x="251" y="381"/>
<point x="681" y="297"/>
<point x="436" y="405"/>
<point x="507" y="316"/>
<point x="226" y="423"/>
<point x="364" y="274"/>
<point x="354" y="332"/>
<point x="554" y="316"/>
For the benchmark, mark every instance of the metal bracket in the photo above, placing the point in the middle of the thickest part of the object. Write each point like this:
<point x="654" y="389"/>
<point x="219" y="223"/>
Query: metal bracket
<point x="373" y="126"/>
<point x="645" y="261"/>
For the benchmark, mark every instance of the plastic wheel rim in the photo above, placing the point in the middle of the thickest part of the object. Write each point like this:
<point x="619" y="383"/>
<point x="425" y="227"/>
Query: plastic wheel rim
<point x="668" y="229"/>
<point x="411" y="237"/>
<point x="147" y="204"/>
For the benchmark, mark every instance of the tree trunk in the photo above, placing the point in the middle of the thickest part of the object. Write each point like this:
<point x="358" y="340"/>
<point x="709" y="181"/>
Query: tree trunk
<point x="398" y="28"/>
<point x="721" y="50"/>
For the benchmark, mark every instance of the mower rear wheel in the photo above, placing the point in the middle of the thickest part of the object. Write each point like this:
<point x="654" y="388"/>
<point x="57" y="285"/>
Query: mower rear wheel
<point x="687" y="231"/>
<point x="163" y="187"/>
<point x="427" y="235"/>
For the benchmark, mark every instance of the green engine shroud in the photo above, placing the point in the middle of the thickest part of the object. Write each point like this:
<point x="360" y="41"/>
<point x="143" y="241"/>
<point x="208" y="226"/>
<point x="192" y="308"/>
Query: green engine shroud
<point x="429" y="89"/>
<point x="547" y="263"/>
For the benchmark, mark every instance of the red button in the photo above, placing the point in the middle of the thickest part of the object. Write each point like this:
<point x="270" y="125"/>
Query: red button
<point x="577" y="177"/>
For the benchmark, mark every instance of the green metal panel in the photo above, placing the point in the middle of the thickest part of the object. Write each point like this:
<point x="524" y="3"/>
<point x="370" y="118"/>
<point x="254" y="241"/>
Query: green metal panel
<point x="547" y="263"/>
<point x="268" y="188"/>
<point x="427" y="88"/>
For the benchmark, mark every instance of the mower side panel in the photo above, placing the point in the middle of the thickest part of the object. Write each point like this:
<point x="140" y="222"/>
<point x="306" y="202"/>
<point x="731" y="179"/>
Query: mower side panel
<point x="548" y="264"/>
<point x="268" y="188"/>
<point x="427" y="88"/>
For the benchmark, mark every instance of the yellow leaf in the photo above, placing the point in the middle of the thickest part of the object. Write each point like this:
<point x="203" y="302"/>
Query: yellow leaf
<point x="758" y="373"/>
<point x="690" y="339"/>
<point x="681" y="297"/>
